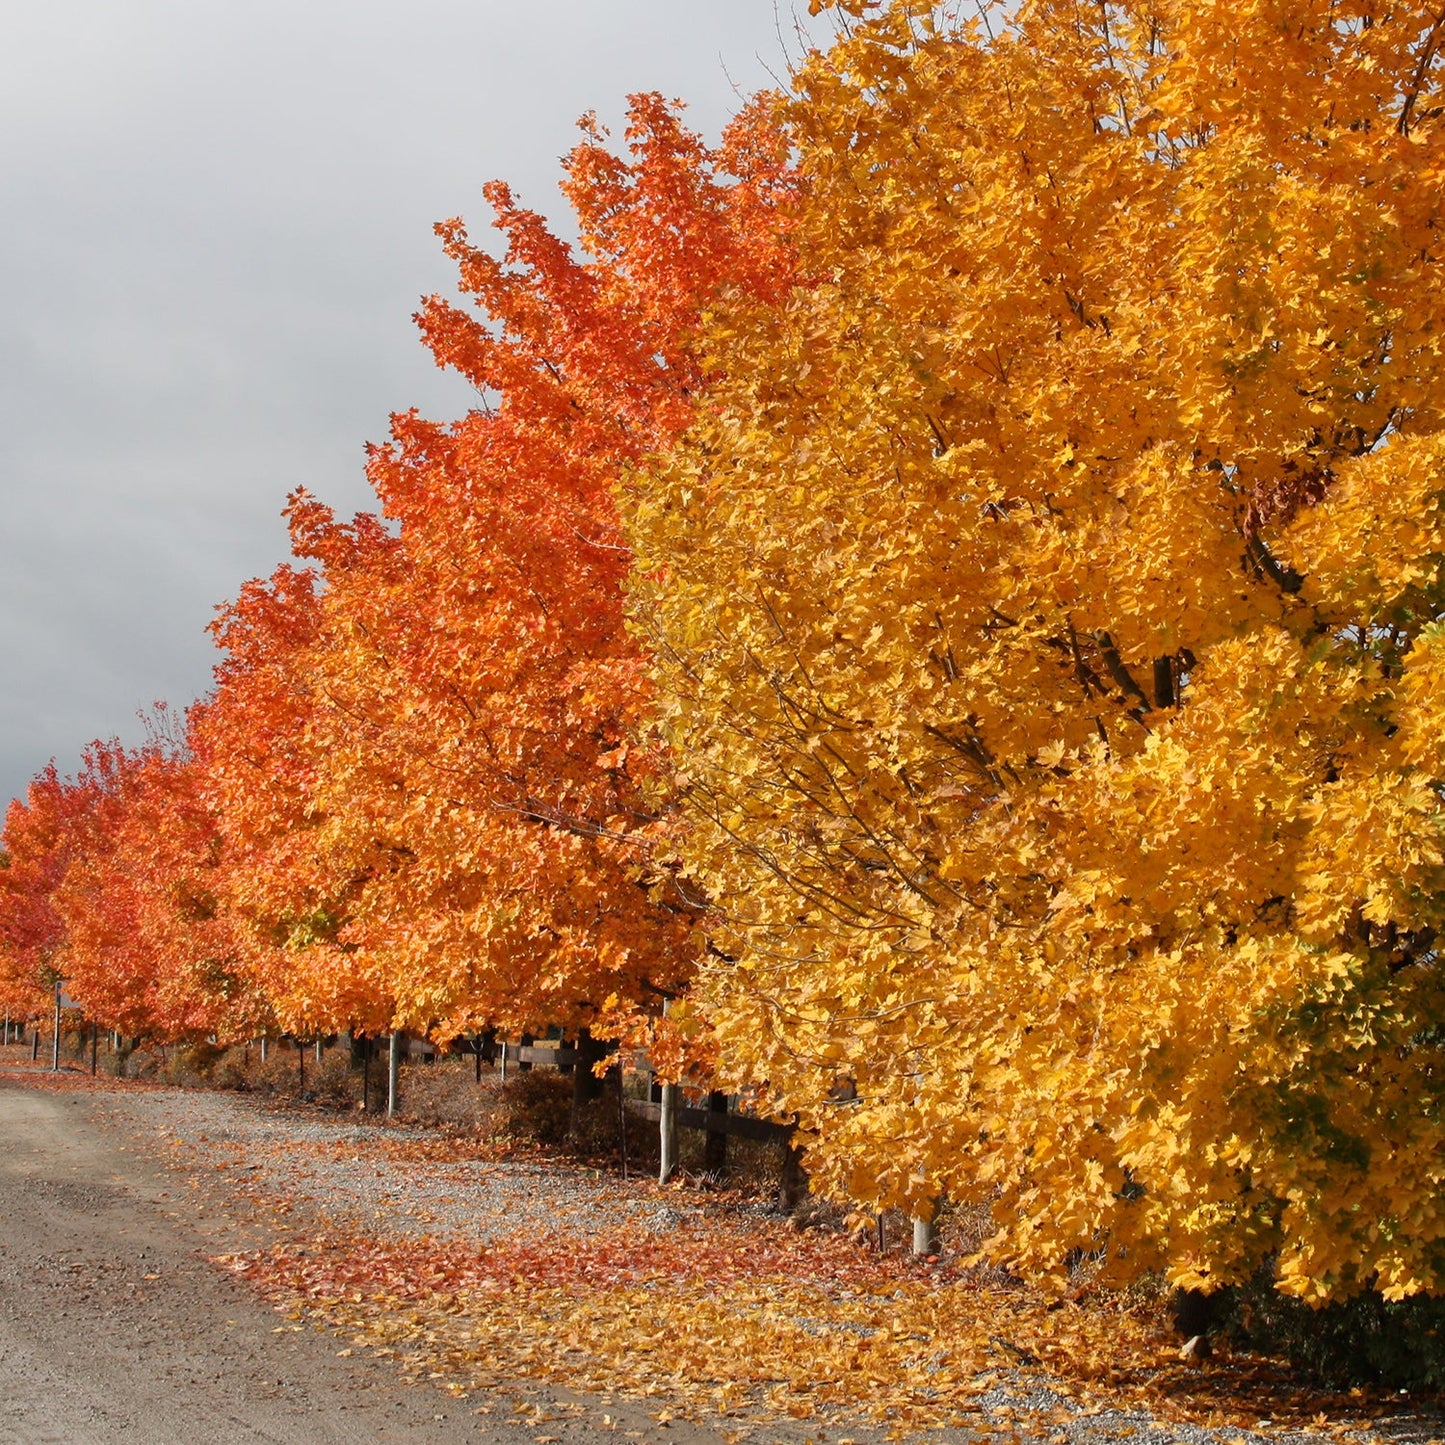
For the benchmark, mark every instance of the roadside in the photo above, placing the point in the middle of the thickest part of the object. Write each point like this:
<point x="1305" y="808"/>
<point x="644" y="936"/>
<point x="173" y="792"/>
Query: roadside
<point x="538" y="1300"/>
<point x="115" y="1324"/>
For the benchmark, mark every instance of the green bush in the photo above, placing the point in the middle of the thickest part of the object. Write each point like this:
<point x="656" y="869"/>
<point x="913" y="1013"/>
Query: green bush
<point x="1361" y="1341"/>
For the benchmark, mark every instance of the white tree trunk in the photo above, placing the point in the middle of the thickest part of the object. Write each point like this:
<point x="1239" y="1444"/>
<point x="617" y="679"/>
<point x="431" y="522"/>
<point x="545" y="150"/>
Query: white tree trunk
<point x="393" y="1066"/>
<point x="925" y="1236"/>
<point x="667" y="1124"/>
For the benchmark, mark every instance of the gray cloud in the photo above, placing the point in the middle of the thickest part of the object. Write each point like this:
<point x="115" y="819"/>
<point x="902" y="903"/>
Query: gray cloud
<point x="218" y="224"/>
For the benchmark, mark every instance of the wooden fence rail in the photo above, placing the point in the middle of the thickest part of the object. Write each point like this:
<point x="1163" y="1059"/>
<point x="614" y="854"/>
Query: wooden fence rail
<point x="716" y="1121"/>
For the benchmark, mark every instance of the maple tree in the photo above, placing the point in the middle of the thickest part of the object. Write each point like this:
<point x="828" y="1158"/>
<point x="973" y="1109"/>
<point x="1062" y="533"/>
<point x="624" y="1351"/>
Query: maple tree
<point x="148" y="947"/>
<point x="34" y="853"/>
<point x="109" y="886"/>
<point x="1047" y="609"/>
<point x="459" y="818"/>
<point x="19" y="996"/>
<point x="259" y="744"/>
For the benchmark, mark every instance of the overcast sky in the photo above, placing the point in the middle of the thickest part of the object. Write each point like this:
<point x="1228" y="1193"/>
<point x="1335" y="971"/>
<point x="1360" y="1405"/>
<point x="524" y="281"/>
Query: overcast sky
<point x="217" y="227"/>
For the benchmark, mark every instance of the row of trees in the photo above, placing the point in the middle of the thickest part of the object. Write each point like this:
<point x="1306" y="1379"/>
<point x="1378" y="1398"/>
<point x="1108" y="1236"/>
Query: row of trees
<point x="948" y="586"/>
<point x="421" y="793"/>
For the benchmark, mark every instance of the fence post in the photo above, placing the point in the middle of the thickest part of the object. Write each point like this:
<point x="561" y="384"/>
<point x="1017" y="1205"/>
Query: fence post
<point x="393" y="1066"/>
<point x="715" y="1146"/>
<point x="667" y="1125"/>
<point x="55" y="1048"/>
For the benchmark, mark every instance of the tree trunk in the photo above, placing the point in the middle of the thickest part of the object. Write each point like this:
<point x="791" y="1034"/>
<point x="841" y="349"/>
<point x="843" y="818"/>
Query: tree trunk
<point x="668" y="1129"/>
<point x="793" y="1184"/>
<point x="586" y="1086"/>
<point x="925" y="1236"/>
<point x="393" y="1067"/>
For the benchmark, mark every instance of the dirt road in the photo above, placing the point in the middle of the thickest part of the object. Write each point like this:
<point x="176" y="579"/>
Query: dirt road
<point x="114" y="1326"/>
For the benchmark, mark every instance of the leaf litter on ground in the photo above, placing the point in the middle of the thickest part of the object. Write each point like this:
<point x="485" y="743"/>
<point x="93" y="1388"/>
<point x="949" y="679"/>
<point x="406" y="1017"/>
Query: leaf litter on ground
<point x="472" y="1266"/>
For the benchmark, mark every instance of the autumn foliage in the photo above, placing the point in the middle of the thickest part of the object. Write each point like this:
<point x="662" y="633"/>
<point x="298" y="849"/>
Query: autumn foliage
<point x="148" y="947"/>
<point x="1046" y="604"/>
<point x="32" y="865"/>
<point x="430" y="744"/>
<point x="950" y="582"/>
<point x="111" y="885"/>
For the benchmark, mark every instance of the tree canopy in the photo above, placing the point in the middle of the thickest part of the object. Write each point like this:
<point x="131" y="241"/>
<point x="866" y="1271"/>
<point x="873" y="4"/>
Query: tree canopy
<point x="1046" y="607"/>
<point x="431" y="743"/>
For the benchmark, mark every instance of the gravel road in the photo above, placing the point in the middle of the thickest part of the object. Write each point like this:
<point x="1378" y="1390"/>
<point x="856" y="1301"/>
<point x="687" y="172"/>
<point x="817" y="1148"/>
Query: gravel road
<point x="114" y="1324"/>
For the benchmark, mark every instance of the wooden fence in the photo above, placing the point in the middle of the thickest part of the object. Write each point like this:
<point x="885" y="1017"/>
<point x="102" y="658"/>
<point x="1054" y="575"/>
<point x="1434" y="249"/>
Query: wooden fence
<point x="718" y="1121"/>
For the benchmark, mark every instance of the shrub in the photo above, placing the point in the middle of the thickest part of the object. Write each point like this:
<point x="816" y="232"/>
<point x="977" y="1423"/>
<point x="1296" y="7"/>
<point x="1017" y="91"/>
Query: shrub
<point x="537" y="1105"/>
<point x="190" y="1063"/>
<point x="333" y="1081"/>
<point x="1359" y="1341"/>
<point x="231" y="1070"/>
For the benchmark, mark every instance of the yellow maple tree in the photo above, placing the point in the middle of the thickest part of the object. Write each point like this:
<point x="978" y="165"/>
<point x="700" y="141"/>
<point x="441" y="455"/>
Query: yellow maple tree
<point x="1045" y="607"/>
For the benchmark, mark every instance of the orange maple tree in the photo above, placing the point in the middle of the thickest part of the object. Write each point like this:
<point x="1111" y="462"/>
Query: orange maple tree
<point x="258" y="748"/>
<point x="148" y="947"/>
<point x="459" y="822"/>
<point x="34" y="852"/>
<point x="109" y="887"/>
